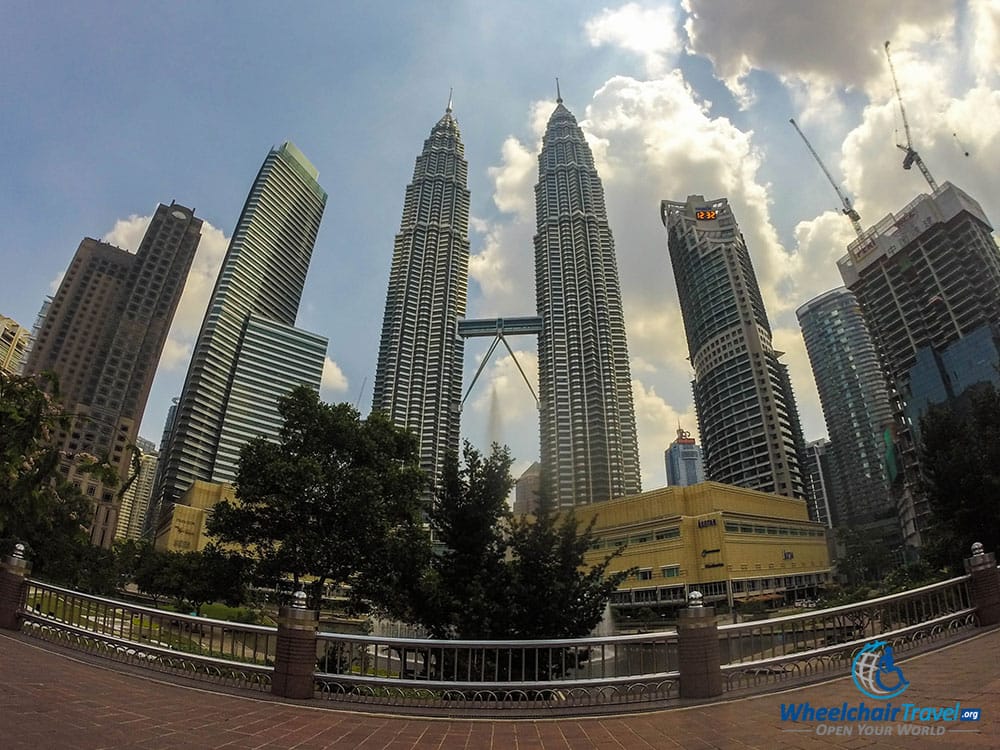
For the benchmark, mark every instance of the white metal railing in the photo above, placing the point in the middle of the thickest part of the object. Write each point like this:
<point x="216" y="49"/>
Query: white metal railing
<point x="572" y="675"/>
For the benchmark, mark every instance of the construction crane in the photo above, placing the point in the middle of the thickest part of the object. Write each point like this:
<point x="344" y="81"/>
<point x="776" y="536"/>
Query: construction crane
<point x="848" y="209"/>
<point x="912" y="157"/>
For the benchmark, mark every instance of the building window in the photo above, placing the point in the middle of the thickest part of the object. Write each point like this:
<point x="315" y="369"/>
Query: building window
<point x="671" y="571"/>
<point x="645" y="574"/>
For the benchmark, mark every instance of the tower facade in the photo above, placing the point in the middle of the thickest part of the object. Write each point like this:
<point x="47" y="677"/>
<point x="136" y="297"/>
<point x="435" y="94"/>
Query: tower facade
<point x="747" y="417"/>
<point x="855" y="403"/>
<point x="819" y="480"/>
<point x="589" y="448"/>
<point x="928" y="283"/>
<point x="418" y="378"/>
<point x="234" y="380"/>
<point x="14" y="340"/>
<point x="684" y="462"/>
<point x="102" y="335"/>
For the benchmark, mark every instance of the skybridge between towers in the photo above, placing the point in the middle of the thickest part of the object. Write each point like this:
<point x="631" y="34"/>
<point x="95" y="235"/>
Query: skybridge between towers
<point x="499" y="329"/>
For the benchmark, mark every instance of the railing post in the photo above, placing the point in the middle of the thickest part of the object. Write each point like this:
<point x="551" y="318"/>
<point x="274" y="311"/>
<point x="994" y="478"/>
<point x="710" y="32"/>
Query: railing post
<point x="984" y="585"/>
<point x="13" y="587"/>
<point x="295" y="651"/>
<point x="698" y="654"/>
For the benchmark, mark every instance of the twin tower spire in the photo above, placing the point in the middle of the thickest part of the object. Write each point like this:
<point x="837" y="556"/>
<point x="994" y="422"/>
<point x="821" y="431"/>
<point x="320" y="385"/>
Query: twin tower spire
<point x="588" y="444"/>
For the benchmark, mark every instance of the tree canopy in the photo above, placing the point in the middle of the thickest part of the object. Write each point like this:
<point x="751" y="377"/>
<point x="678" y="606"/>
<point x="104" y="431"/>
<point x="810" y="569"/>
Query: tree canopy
<point x="960" y="459"/>
<point x="497" y="577"/>
<point x="331" y="500"/>
<point x="37" y="505"/>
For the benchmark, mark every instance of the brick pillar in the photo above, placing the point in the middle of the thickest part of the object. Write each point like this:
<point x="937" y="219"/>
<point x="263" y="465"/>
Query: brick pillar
<point x="14" y="572"/>
<point x="984" y="585"/>
<point x="295" y="657"/>
<point x="698" y="650"/>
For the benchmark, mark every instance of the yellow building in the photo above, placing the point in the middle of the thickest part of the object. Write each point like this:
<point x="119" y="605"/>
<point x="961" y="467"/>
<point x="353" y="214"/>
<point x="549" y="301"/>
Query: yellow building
<point x="729" y="543"/>
<point x="14" y="340"/>
<point x="182" y="528"/>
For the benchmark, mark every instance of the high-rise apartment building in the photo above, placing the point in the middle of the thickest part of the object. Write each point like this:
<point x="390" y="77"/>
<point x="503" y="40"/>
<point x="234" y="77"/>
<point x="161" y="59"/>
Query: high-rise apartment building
<point x="684" y="461"/>
<point x="589" y="448"/>
<point x="248" y="353"/>
<point x="14" y="340"/>
<point x="418" y="379"/>
<point x="856" y="406"/>
<point x="928" y="282"/>
<point x="136" y="499"/>
<point x="747" y="418"/>
<point x="102" y="336"/>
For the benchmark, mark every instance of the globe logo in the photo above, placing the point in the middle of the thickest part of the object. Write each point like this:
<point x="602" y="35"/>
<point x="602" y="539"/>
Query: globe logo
<point x="875" y="674"/>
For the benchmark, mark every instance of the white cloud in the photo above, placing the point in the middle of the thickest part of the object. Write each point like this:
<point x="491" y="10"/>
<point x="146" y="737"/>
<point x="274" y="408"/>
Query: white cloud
<point x="514" y="178"/>
<point x="657" y="422"/>
<point x="334" y="382"/>
<point x="128" y="233"/>
<point x="819" y="44"/>
<point x="985" y="20"/>
<point x="649" y="32"/>
<point x="56" y="282"/>
<point x="175" y="356"/>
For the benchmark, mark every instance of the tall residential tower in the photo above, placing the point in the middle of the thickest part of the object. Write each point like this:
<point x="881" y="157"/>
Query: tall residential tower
<point x="856" y="407"/>
<point x="102" y="335"/>
<point x="747" y="418"/>
<point x="248" y="352"/>
<point x="418" y="379"/>
<point x="589" y="449"/>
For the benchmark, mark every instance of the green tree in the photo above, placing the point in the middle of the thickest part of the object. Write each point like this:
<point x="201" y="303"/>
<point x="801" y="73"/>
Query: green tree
<point x="499" y="578"/>
<point x="557" y="595"/>
<point x="960" y="458"/>
<point x="329" y="500"/>
<point x="863" y="558"/>
<point x="37" y="505"/>
<point x="152" y="573"/>
<point x="466" y="592"/>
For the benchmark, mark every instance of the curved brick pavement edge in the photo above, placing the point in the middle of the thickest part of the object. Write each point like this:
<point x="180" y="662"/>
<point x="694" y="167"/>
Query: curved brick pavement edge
<point x="50" y="699"/>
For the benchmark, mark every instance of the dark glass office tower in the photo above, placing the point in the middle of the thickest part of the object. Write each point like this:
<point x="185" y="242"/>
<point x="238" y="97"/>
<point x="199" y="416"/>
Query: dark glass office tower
<point x="248" y="352"/>
<point x="747" y="416"/>
<point x="589" y="448"/>
<point x="418" y="379"/>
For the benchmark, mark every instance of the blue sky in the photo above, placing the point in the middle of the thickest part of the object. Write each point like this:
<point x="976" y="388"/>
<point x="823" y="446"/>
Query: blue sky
<point x="110" y="108"/>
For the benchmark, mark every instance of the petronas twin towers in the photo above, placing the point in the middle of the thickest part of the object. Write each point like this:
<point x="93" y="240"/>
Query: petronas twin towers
<point x="589" y="450"/>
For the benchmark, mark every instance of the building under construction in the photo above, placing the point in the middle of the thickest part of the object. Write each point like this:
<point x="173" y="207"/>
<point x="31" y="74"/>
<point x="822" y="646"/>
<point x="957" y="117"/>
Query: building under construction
<point x="928" y="281"/>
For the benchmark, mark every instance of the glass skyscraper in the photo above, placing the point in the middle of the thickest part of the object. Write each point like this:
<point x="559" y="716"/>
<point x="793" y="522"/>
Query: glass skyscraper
<point x="248" y="352"/>
<point x="747" y="418"/>
<point x="589" y="448"/>
<point x="856" y="406"/>
<point x="683" y="460"/>
<point x="418" y="379"/>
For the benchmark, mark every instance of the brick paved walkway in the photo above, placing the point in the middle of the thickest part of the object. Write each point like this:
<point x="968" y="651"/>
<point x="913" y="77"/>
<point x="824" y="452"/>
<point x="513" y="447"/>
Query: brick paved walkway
<point x="50" y="700"/>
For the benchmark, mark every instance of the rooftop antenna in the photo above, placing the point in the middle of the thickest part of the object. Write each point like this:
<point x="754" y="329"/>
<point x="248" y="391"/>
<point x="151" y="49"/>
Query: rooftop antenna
<point x="848" y="210"/>
<point x="558" y="93"/>
<point x="912" y="157"/>
<point x="450" y="92"/>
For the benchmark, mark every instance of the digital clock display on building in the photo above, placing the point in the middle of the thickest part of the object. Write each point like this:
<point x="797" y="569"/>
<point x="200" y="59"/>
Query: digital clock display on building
<point x="706" y="214"/>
